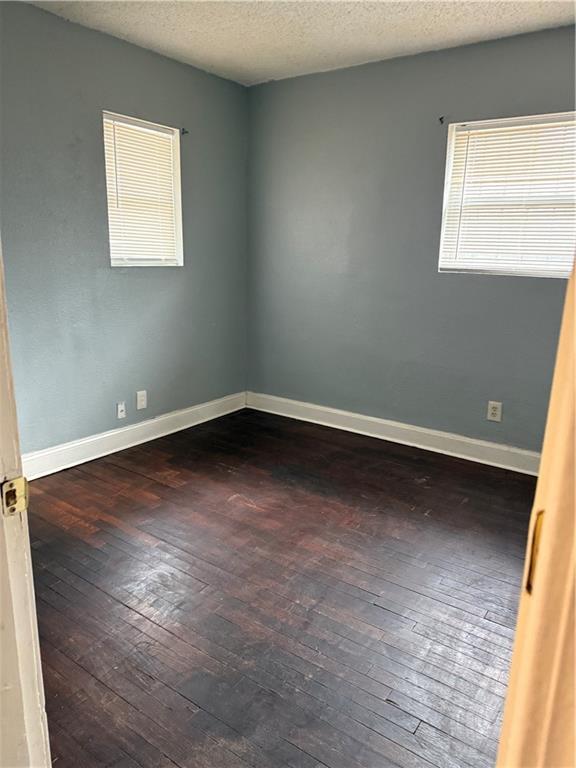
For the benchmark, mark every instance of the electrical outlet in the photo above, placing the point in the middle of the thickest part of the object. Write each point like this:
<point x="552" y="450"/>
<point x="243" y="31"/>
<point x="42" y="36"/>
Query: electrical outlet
<point x="141" y="399"/>
<point x="121" y="410"/>
<point x="494" y="412"/>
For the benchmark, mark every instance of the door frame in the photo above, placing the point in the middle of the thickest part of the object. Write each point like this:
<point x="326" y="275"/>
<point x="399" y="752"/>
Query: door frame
<point x="538" y="728"/>
<point x="24" y="731"/>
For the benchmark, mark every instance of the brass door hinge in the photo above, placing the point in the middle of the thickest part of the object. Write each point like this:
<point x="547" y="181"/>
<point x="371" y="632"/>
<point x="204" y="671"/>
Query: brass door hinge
<point x="14" y="496"/>
<point x="534" y="547"/>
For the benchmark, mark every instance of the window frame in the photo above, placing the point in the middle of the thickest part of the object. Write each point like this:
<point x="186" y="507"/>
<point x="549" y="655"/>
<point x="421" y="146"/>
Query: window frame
<point x="175" y="134"/>
<point x="453" y="128"/>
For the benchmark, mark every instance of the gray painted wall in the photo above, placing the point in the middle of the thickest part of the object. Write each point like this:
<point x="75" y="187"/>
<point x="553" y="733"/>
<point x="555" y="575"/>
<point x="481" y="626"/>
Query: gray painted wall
<point x="347" y="307"/>
<point x="84" y="335"/>
<point x="346" y="176"/>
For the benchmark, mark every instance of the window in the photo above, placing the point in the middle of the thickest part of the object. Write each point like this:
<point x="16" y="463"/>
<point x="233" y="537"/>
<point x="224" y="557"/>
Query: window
<point x="510" y="197"/>
<point x="143" y="189"/>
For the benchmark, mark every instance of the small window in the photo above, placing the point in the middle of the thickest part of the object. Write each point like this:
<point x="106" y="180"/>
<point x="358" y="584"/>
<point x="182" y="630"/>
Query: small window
<point x="510" y="197"/>
<point x="143" y="189"/>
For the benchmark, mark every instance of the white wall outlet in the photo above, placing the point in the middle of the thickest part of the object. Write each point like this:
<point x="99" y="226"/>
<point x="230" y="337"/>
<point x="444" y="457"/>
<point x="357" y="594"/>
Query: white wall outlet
<point x="494" y="412"/>
<point x="141" y="399"/>
<point x="121" y="410"/>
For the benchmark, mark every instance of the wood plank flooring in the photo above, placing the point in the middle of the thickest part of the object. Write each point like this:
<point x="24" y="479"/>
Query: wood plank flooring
<point x="261" y="592"/>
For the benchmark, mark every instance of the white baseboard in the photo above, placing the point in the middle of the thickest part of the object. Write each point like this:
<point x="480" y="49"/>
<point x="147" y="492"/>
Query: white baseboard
<point x="481" y="451"/>
<point x="44" y="462"/>
<point x="49" y="460"/>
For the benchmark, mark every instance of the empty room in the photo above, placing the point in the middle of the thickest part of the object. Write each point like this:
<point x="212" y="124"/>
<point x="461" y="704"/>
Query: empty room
<point x="287" y="384"/>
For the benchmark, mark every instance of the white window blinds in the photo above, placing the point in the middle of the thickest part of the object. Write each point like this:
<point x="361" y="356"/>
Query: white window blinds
<point x="143" y="189"/>
<point x="510" y="197"/>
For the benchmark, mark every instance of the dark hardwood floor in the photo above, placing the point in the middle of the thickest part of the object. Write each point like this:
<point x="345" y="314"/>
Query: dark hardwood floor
<point x="262" y="592"/>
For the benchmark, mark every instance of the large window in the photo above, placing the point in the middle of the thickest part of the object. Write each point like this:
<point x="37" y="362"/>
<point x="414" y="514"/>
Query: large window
<point x="510" y="197"/>
<point x="143" y="188"/>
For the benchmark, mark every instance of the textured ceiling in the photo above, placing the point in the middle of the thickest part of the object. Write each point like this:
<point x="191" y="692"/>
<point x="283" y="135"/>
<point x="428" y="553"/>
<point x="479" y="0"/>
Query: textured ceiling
<point x="252" y="42"/>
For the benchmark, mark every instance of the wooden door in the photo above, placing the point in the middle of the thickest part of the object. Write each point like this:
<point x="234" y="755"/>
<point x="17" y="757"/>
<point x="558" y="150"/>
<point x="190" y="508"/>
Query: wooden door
<point x="24" y="732"/>
<point x="538" y="730"/>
